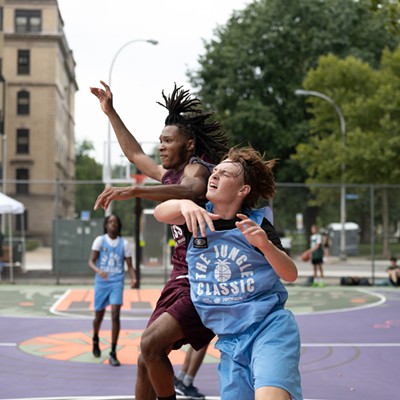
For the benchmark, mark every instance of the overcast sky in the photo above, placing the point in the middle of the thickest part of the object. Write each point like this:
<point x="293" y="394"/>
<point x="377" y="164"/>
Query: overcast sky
<point x="97" y="29"/>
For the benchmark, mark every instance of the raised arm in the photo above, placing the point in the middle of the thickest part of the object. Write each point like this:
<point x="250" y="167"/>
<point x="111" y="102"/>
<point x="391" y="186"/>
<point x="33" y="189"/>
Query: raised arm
<point x="129" y="145"/>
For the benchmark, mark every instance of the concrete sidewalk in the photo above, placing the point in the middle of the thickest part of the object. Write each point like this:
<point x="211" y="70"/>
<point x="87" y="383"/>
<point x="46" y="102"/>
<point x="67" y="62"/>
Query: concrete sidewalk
<point x="38" y="265"/>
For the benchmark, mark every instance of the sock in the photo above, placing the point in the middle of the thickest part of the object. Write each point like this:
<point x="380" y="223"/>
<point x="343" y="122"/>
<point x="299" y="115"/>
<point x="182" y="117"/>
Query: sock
<point x="188" y="380"/>
<point x="172" y="397"/>
<point x="181" y="375"/>
<point x="113" y="348"/>
<point x="96" y="338"/>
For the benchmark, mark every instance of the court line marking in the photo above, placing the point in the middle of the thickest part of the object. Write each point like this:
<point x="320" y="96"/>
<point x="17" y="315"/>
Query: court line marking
<point x="380" y="296"/>
<point x="350" y="345"/>
<point x="109" y="398"/>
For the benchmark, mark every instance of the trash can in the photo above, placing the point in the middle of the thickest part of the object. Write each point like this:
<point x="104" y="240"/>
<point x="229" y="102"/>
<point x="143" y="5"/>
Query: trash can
<point x="352" y="234"/>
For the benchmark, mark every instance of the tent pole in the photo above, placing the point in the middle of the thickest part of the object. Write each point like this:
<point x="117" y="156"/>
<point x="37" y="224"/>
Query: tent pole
<point x="10" y="249"/>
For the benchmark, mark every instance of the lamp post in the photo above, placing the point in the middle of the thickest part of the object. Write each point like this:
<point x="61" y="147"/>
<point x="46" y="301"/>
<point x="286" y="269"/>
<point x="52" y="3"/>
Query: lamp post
<point x="107" y="164"/>
<point x="3" y="85"/>
<point x="301" y="92"/>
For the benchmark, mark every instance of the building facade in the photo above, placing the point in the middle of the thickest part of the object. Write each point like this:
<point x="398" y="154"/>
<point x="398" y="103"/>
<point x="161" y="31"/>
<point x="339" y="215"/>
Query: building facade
<point x="39" y="148"/>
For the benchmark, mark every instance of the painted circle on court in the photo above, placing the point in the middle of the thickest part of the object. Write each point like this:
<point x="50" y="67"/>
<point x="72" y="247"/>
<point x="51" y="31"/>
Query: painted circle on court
<point x="77" y="347"/>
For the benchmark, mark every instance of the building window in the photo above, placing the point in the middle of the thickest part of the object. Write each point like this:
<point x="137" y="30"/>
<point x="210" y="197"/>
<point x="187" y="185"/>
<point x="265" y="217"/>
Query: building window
<point x="24" y="62"/>
<point x="28" y="21"/>
<point x="23" y="102"/>
<point x="22" y="174"/>
<point x="22" y="141"/>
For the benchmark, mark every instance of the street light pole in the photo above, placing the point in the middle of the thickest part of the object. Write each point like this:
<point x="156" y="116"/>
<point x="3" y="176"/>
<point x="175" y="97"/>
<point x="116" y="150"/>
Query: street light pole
<point x="3" y="86"/>
<point x="301" y="92"/>
<point x="107" y="150"/>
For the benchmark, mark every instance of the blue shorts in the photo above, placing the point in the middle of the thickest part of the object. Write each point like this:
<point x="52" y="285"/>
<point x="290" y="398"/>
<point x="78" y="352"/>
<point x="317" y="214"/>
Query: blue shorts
<point x="266" y="354"/>
<point x="106" y="293"/>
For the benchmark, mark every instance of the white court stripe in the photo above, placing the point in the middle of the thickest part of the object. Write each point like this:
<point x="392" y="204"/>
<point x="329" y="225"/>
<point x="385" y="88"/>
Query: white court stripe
<point x="8" y="344"/>
<point x="350" y="344"/>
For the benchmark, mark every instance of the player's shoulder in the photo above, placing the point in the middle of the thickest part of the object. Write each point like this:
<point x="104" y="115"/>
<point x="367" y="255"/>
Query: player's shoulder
<point x="196" y="169"/>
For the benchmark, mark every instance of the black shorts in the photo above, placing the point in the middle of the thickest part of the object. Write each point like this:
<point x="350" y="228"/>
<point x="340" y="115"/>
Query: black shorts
<point x="175" y="300"/>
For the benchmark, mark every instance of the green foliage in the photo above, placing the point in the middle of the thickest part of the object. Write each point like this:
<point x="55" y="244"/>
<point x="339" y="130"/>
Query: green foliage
<point x="251" y="68"/>
<point x="370" y="102"/>
<point x="391" y="11"/>
<point x="87" y="169"/>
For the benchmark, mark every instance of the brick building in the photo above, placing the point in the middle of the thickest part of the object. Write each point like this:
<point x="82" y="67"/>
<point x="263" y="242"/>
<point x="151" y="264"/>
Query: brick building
<point x="38" y="142"/>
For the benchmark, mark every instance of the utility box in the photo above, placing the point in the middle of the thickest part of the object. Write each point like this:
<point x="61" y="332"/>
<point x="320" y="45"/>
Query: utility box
<point x="154" y="240"/>
<point x="72" y="244"/>
<point x="352" y="234"/>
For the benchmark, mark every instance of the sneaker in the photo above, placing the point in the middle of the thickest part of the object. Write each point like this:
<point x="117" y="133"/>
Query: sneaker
<point x="191" y="392"/>
<point x="112" y="359"/>
<point x="179" y="386"/>
<point x="96" y="349"/>
<point x="321" y="284"/>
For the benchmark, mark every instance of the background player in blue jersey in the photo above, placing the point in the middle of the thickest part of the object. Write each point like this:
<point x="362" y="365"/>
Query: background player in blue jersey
<point x="107" y="259"/>
<point x="234" y="273"/>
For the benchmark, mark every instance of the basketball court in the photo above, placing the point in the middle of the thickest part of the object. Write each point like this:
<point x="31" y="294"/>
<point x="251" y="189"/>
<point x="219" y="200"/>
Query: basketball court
<point x="350" y="344"/>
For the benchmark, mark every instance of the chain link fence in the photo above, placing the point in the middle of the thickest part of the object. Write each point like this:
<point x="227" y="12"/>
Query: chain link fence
<point x="60" y="215"/>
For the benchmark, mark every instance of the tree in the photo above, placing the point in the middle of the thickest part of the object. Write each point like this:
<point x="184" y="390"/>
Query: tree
<point x="255" y="62"/>
<point x="251" y="68"/>
<point x="87" y="169"/>
<point x="370" y="101"/>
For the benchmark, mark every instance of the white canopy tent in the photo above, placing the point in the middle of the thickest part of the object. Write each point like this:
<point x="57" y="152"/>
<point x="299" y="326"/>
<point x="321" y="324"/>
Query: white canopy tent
<point x="10" y="207"/>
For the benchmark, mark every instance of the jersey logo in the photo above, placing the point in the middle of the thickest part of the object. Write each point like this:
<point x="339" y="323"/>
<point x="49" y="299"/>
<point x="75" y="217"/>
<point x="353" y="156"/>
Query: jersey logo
<point x="200" y="243"/>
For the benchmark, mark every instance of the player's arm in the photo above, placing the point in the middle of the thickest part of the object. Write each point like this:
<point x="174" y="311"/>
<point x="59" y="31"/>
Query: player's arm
<point x="94" y="255"/>
<point x="187" y="212"/>
<point x="128" y="143"/>
<point x="193" y="186"/>
<point x="131" y="271"/>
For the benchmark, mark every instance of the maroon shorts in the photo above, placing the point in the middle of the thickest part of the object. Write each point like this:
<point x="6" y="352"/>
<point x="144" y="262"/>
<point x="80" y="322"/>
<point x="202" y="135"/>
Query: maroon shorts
<point x="175" y="300"/>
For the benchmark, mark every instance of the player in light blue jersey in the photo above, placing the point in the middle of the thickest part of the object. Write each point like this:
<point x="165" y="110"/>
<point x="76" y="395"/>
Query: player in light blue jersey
<point x="235" y="273"/>
<point x="107" y="259"/>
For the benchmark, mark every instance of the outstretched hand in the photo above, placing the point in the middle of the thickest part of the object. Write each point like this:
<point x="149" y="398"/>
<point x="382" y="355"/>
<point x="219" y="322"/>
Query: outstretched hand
<point x="197" y="218"/>
<point x="253" y="232"/>
<point x="112" y="193"/>
<point x="105" y="97"/>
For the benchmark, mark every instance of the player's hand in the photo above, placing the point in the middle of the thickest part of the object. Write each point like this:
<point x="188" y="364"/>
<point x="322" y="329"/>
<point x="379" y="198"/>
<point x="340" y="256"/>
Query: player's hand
<point x="253" y="232"/>
<point x="103" y="275"/>
<point x="197" y="218"/>
<point x="112" y="193"/>
<point x="133" y="284"/>
<point x="105" y="97"/>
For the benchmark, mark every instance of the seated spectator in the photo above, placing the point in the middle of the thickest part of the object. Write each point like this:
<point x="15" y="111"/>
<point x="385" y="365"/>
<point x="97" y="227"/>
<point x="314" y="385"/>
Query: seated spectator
<point x="394" y="272"/>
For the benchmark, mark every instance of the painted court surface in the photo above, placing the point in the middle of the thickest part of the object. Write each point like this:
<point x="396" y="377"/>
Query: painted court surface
<point x="350" y="344"/>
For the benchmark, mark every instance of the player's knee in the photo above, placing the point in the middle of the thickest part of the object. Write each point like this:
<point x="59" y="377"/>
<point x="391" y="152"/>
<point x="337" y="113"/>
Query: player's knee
<point x="149" y="347"/>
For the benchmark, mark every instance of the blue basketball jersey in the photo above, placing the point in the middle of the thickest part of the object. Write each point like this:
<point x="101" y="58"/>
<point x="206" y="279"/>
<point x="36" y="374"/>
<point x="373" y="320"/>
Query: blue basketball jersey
<point x="111" y="260"/>
<point x="232" y="284"/>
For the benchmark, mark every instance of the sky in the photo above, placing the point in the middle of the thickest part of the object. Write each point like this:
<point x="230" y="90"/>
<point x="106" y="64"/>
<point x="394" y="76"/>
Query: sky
<point x="97" y="31"/>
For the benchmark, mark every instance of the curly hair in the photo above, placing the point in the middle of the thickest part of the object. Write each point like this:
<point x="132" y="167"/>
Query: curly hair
<point x="184" y="112"/>
<point x="257" y="174"/>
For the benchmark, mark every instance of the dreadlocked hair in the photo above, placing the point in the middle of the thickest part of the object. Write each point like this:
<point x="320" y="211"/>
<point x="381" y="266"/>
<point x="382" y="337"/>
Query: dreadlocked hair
<point x="211" y="142"/>
<point x="257" y="174"/>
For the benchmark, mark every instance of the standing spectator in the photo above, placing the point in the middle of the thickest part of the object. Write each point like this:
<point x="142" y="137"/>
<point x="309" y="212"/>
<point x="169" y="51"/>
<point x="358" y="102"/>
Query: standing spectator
<point x="109" y="254"/>
<point x="316" y="251"/>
